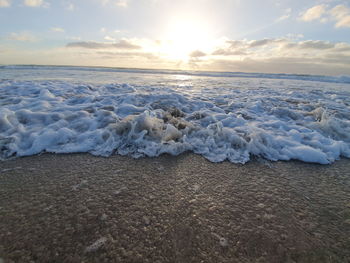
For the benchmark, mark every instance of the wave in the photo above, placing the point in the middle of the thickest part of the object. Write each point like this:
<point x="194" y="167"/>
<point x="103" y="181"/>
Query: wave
<point x="320" y="78"/>
<point x="218" y="122"/>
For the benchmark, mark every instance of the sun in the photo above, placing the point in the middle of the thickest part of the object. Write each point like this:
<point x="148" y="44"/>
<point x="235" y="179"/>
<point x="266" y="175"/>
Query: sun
<point x="183" y="35"/>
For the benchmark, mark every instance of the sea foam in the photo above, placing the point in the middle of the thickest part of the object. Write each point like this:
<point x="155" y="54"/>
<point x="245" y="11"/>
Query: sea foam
<point x="129" y="113"/>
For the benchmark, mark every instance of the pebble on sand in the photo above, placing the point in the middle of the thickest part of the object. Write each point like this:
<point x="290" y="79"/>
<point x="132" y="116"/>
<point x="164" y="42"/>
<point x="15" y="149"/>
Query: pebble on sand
<point x="96" y="245"/>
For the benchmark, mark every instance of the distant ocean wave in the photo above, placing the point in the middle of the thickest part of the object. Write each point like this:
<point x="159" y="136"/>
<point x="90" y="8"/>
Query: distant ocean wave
<point x="320" y="78"/>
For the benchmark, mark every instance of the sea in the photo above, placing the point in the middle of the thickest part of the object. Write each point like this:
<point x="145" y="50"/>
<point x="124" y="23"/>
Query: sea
<point x="222" y="116"/>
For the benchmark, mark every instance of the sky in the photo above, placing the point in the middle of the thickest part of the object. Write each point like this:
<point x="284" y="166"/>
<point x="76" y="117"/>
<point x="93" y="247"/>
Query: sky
<point x="269" y="36"/>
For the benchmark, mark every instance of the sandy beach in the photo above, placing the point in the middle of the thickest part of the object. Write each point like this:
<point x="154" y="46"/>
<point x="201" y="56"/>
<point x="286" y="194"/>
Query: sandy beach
<point x="82" y="208"/>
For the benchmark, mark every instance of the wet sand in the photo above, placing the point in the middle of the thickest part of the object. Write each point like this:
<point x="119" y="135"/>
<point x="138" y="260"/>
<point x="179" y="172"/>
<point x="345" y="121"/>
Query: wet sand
<point x="81" y="208"/>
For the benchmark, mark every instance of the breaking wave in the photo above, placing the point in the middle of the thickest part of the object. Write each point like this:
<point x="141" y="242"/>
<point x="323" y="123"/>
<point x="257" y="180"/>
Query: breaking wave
<point x="221" y="119"/>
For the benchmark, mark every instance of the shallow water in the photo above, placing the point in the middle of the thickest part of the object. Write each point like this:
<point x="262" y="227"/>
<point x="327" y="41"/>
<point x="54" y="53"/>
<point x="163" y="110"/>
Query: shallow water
<point x="222" y="116"/>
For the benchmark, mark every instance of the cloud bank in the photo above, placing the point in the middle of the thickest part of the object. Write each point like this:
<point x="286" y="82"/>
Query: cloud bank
<point x="122" y="44"/>
<point x="270" y="55"/>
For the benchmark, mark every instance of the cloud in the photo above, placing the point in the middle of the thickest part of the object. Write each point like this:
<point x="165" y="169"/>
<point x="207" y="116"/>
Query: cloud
<point x="87" y="44"/>
<point x="35" y="3"/>
<point x="310" y="45"/>
<point x="277" y="46"/>
<point x="285" y="16"/>
<point x="57" y="29"/>
<point x="315" y="44"/>
<point x="235" y="43"/>
<point x="283" y="65"/>
<point x="246" y="47"/>
<point x="281" y="55"/>
<point x="258" y="43"/>
<point x="197" y="54"/>
<point x="73" y="38"/>
<point x="5" y="3"/>
<point x="122" y="3"/>
<point x="264" y="42"/>
<point x="342" y="47"/>
<point x="109" y="38"/>
<point x="340" y="14"/>
<point x="225" y="52"/>
<point x="122" y="44"/>
<point x="22" y="37"/>
<point x="109" y="35"/>
<point x="104" y="2"/>
<point x="289" y="54"/>
<point x="314" y="13"/>
<point x="113" y="55"/>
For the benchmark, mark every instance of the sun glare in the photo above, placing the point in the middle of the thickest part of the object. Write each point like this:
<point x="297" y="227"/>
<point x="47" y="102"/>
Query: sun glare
<point x="185" y="35"/>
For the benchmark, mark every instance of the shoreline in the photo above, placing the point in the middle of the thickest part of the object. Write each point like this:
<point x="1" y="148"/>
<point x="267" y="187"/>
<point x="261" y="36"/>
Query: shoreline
<point x="79" y="207"/>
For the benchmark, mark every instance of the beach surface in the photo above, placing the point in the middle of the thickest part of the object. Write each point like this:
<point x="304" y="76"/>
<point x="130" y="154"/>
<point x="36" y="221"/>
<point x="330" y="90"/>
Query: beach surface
<point x="82" y="208"/>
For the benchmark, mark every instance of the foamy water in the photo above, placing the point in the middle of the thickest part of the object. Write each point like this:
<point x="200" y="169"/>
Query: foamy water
<point x="222" y="116"/>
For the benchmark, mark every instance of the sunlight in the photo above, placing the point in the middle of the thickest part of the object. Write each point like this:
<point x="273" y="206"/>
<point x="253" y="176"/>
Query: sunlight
<point x="184" y="35"/>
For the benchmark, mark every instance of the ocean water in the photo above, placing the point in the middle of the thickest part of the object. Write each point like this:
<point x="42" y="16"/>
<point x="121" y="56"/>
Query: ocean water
<point x="222" y="116"/>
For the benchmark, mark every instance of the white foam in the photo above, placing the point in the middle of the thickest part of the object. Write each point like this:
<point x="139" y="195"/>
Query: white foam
<point x="220" y="118"/>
